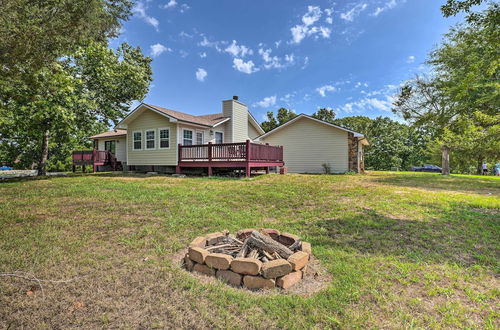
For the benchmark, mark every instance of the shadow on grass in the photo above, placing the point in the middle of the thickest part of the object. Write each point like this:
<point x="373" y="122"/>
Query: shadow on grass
<point x="432" y="181"/>
<point x="465" y="237"/>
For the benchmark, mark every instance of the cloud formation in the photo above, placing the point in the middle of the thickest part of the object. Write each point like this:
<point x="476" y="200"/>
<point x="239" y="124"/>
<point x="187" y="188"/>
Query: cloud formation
<point x="245" y="67"/>
<point x="355" y="11"/>
<point x="201" y="74"/>
<point x="158" y="49"/>
<point x="140" y="10"/>
<point x="308" y="27"/>
<point x="266" y="102"/>
<point x="238" y="51"/>
<point x="326" y="88"/>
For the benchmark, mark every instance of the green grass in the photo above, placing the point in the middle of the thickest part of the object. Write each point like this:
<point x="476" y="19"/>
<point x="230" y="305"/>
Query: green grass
<point x="405" y="250"/>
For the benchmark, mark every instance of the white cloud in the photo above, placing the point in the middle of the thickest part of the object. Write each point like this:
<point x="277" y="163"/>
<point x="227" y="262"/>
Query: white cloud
<point x="183" y="53"/>
<point x="381" y="99"/>
<point x="410" y="59"/>
<point x="388" y="5"/>
<point x="312" y="16"/>
<point x="359" y="84"/>
<point x="266" y="102"/>
<point x="184" y="8"/>
<point x="306" y="62"/>
<point x="185" y="34"/>
<point x="277" y="43"/>
<point x="329" y="20"/>
<point x="203" y="55"/>
<point x="158" y="49"/>
<point x="140" y="10"/>
<point x="275" y="62"/>
<point x="245" y="67"/>
<point x="308" y="28"/>
<point x="170" y="4"/>
<point x="201" y="74"/>
<point x="211" y="44"/>
<point x="238" y="51"/>
<point x="355" y="11"/>
<point x="326" y="88"/>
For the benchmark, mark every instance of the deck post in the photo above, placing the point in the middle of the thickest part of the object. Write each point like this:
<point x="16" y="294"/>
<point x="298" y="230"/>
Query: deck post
<point x="74" y="168"/>
<point x="248" y="170"/>
<point x="267" y="169"/>
<point x="179" y="159"/>
<point x="83" y="168"/>
<point x="247" y="167"/>
<point x="209" y="151"/>
<point x="210" y="173"/>
<point x="177" y="169"/>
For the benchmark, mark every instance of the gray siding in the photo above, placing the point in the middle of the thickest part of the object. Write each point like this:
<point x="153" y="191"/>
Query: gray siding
<point x="238" y="124"/>
<point x="309" y="144"/>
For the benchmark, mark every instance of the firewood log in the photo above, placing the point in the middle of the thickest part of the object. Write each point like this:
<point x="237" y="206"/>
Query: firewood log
<point x="266" y="243"/>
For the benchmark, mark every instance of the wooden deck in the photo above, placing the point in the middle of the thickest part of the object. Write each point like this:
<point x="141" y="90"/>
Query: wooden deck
<point x="245" y="155"/>
<point x="95" y="158"/>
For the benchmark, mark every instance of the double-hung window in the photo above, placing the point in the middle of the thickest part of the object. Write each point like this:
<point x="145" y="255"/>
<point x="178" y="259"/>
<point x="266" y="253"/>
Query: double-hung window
<point x="187" y="137"/>
<point x="137" y="140"/>
<point x="164" y="134"/>
<point x="150" y="139"/>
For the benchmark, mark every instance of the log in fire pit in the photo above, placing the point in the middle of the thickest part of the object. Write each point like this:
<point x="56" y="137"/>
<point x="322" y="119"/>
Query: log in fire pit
<point x="252" y="259"/>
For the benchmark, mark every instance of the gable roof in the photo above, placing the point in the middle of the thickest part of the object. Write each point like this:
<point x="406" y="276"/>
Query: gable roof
<point x="207" y="120"/>
<point x="302" y="115"/>
<point x="210" y="120"/>
<point x="113" y="133"/>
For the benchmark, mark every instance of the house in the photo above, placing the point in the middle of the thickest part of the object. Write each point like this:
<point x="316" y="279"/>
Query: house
<point x="312" y="145"/>
<point x="152" y="138"/>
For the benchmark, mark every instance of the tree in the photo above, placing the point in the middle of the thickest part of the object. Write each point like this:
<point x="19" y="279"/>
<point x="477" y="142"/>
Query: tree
<point x="94" y="86"/>
<point x="325" y="114"/>
<point x="282" y="117"/>
<point x="392" y="144"/>
<point x="35" y="33"/>
<point x="453" y="7"/>
<point x="462" y="95"/>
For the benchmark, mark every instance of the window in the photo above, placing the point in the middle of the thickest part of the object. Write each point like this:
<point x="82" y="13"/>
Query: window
<point x="137" y="140"/>
<point x="150" y="139"/>
<point x="199" y="137"/>
<point x="187" y="137"/>
<point x="110" y="146"/>
<point x="164" y="134"/>
<point x="219" y="137"/>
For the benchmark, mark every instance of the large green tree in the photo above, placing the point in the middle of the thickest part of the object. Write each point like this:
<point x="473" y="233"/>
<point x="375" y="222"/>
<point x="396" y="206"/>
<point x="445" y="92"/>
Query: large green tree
<point x="36" y="33"/>
<point x="462" y="94"/>
<point x="282" y="117"/>
<point x="71" y="97"/>
<point x="325" y="114"/>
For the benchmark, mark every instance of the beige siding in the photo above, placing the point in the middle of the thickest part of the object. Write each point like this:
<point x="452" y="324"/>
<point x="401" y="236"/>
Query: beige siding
<point x="238" y="124"/>
<point x="151" y="120"/>
<point x="309" y="144"/>
<point x="121" y="147"/>
<point x="252" y="132"/>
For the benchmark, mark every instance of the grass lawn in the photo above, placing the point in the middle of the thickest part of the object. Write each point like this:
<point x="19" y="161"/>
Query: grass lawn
<point x="405" y="250"/>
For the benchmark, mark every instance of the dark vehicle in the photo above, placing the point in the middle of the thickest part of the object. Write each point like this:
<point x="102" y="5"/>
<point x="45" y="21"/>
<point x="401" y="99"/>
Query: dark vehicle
<point x="427" y="168"/>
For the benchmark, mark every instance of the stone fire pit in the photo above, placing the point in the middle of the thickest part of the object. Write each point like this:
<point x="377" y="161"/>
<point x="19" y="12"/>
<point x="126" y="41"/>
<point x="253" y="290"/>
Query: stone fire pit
<point x="252" y="259"/>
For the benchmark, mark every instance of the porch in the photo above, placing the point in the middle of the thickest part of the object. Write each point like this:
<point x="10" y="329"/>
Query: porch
<point x="245" y="155"/>
<point x="95" y="158"/>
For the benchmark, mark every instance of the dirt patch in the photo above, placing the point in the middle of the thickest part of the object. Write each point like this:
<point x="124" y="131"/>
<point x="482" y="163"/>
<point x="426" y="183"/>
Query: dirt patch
<point x="316" y="279"/>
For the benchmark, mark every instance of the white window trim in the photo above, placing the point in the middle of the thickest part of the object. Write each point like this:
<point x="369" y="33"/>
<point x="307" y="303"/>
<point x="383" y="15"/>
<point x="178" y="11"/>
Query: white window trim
<point x="133" y="140"/>
<point x="159" y="137"/>
<point x="146" y="139"/>
<point x="192" y="135"/>
<point x="202" y="137"/>
<point x="215" y="136"/>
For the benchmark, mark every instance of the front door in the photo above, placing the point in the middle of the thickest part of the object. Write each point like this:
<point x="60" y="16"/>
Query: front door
<point x="110" y="146"/>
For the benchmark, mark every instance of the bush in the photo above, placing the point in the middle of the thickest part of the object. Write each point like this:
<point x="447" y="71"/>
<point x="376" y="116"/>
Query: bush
<point x="327" y="168"/>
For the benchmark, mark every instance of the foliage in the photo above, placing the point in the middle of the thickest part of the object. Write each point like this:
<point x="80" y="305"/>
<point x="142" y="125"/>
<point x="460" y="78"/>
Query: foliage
<point x="392" y="144"/>
<point x="282" y="117"/>
<point x="70" y="98"/>
<point x="325" y="114"/>
<point x="453" y="7"/>
<point x="36" y="33"/>
<point x="327" y="168"/>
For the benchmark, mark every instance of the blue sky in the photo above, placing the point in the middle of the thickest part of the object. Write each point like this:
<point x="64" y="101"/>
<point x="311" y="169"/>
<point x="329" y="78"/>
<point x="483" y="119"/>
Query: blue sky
<point x="346" y="55"/>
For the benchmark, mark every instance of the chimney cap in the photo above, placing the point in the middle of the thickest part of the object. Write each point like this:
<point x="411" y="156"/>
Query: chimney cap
<point x="235" y="97"/>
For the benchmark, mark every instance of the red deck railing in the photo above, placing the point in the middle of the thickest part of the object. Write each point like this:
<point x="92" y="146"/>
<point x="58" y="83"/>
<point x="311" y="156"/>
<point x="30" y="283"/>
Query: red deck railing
<point x="240" y="151"/>
<point x="94" y="157"/>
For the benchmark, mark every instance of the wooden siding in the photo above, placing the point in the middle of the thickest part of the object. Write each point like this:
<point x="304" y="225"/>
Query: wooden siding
<point x="151" y="120"/>
<point x="309" y="144"/>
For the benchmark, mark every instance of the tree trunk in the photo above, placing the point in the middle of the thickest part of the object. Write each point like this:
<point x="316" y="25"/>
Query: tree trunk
<point x="44" y="153"/>
<point x="479" y="166"/>
<point x="445" y="160"/>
